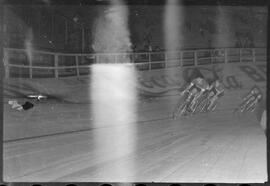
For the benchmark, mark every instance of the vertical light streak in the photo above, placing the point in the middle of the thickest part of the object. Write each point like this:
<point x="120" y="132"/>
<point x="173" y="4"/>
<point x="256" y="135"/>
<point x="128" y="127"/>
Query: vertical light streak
<point x="223" y="36"/>
<point x="113" y="94"/>
<point x="28" y="46"/>
<point x="172" y="25"/>
<point x="173" y="29"/>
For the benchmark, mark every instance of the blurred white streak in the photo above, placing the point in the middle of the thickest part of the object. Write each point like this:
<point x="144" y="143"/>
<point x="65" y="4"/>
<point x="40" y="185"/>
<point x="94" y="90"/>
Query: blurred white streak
<point x="28" y="45"/>
<point x="224" y="29"/>
<point x="173" y="21"/>
<point x="114" y="97"/>
<point x="173" y="30"/>
<point x="111" y="33"/>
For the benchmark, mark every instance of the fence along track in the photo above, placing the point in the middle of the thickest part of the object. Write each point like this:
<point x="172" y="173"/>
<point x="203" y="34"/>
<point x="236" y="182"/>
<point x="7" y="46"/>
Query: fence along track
<point x="41" y="64"/>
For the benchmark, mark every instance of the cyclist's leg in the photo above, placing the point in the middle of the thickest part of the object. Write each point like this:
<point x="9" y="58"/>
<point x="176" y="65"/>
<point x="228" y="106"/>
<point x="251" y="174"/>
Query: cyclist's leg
<point x="243" y="106"/>
<point x="213" y="103"/>
<point x="252" y="105"/>
<point x="179" y="104"/>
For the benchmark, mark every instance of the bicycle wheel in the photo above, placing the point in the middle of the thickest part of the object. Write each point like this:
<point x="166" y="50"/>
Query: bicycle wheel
<point x="180" y="110"/>
<point x="200" y="104"/>
<point x="242" y="107"/>
<point x="251" y="107"/>
<point x="178" y="106"/>
<point x="212" y="105"/>
<point x="239" y="111"/>
<point x="183" y="110"/>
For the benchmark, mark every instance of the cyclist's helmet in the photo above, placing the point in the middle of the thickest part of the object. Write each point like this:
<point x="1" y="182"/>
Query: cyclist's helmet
<point x="255" y="91"/>
<point x="199" y="79"/>
<point x="259" y="97"/>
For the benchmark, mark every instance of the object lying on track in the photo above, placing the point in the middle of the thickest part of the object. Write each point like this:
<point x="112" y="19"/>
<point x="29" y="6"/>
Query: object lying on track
<point x="27" y="105"/>
<point x="37" y="96"/>
<point x="15" y="105"/>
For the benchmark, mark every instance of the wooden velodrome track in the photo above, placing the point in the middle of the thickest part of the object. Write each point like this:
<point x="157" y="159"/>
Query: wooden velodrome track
<point x="58" y="142"/>
<point x="128" y="138"/>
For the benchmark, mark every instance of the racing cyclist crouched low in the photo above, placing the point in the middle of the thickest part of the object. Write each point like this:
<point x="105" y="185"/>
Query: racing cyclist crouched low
<point x="251" y="99"/>
<point x="216" y="90"/>
<point x="196" y="88"/>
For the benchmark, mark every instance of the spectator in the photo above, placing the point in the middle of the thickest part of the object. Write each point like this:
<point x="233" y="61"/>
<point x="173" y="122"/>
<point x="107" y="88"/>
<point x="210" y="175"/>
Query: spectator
<point x="157" y="49"/>
<point x="150" y="48"/>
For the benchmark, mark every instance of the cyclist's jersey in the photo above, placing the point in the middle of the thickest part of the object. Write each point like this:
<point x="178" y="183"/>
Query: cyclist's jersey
<point x="199" y="84"/>
<point x="253" y="95"/>
<point x="216" y="88"/>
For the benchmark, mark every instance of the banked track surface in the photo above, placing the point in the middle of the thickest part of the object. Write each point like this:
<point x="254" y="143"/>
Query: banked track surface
<point x="57" y="141"/>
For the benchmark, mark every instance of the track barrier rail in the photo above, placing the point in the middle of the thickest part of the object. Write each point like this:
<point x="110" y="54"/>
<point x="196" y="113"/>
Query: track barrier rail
<point x="22" y="63"/>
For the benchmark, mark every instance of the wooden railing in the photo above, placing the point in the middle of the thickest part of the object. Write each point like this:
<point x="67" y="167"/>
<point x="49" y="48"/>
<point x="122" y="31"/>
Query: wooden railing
<point x="41" y="64"/>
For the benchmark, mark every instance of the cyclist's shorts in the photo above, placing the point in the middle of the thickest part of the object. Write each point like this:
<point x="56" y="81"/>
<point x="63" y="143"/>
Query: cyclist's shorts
<point x="201" y="84"/>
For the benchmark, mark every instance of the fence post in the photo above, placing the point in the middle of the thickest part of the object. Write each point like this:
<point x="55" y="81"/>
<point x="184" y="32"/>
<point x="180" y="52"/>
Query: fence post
<point x="240" y="54"/>
<point x="6" y="63"/>
<point x="225" y="55"/>
<point x="30" y="65"/>
<point x="115" y="58"/>
<point x="77" y="65"/>
<point x="133" y="57"/>
<point x="165" y="56"/>
<point x="212" y="54"/>
<point x="253" y="55"/>
<point x="181" y="58"/>
<point x="97" y="58"/>
<point x="195" y="58"/>
<point x="149" y="60"/>
<point x="56" y="65"/>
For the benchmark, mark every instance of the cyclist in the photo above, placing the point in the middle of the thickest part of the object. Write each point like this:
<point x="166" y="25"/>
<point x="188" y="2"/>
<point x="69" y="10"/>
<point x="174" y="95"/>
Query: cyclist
<point x="251" y="99"/>
<point x="215" y="91"/>
<point x="196" y="88"/>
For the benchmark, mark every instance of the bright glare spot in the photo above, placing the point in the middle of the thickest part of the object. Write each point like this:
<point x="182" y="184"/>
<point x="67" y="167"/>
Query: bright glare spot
<point x="28" y="44"/>
<point x="114" y="98"/>
<point x="174" y="40"/>
<point x="113" y="94"/>
<point x="111" y="33"/>
<point x="172" y="23"/>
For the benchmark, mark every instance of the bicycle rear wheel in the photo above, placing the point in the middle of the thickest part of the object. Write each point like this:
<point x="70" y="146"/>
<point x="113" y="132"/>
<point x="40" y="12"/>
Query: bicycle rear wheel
<point x="201" y="102"/>
<point x="180" y="110"/>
